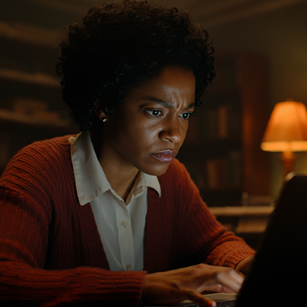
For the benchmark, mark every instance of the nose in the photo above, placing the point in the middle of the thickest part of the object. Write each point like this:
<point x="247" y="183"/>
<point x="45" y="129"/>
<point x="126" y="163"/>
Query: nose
<point x="172" y="131"/>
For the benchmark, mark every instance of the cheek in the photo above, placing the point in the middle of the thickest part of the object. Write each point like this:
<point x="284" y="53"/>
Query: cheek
<point x="144" y="138"/>
<point x="134" y="133"/>
<point x="183" y="131"/>
<point x="143" y="129"/>
<point x="135" y="140"/>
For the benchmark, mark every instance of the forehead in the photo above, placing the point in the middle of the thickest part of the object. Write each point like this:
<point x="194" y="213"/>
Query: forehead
<point x="171" y="82"/>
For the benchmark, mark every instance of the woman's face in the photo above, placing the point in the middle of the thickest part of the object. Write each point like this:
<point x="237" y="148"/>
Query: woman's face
<point x="149" y="128"/>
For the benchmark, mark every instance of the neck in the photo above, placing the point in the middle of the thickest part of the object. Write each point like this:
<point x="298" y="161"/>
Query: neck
<point x="121" y="182"/>
<point x="121" y="177"/>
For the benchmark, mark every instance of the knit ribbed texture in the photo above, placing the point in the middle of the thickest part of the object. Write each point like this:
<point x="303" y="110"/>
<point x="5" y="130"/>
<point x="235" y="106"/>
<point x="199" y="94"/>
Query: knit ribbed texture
<point x="50" y="249"/>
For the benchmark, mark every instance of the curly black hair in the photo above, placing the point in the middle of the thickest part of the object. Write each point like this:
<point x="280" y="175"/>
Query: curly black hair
<point x="119" y="46"/>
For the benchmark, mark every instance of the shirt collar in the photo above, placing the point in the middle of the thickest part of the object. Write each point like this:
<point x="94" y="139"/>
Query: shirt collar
<point x="89" y="176"/>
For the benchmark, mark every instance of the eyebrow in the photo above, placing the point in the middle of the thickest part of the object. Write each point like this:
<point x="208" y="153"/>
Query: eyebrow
<point x="168" y="104"/>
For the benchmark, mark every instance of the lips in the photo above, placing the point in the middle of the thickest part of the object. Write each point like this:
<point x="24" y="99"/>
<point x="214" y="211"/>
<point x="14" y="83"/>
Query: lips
<point x="166" y="156"/>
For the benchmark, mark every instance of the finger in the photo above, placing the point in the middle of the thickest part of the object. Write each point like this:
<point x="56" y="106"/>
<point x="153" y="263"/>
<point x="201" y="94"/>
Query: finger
<point x="230" y="280"/>
<point x="216" y="288"/>
<point x="221" y="280"/>
<point x="198" y="298"/>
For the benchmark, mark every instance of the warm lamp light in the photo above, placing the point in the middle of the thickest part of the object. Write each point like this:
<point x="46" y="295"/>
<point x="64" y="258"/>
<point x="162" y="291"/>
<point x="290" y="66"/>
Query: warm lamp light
<point x="286" y="131"/>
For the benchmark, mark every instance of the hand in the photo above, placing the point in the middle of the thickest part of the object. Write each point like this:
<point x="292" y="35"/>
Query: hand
<point x="243" y="266"/>
<point x="174" y="286"/>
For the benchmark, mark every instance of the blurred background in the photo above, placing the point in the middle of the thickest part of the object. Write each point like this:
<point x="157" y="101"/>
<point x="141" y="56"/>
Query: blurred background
<point x="261" y="59"/>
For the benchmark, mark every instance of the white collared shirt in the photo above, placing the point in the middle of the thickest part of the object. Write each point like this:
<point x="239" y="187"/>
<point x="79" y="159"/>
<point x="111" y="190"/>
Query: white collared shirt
<point x="121" y="227"/>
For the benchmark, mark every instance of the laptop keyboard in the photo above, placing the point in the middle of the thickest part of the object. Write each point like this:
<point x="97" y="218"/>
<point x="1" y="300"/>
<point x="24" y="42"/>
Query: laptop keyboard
<point x="225" y="304"/>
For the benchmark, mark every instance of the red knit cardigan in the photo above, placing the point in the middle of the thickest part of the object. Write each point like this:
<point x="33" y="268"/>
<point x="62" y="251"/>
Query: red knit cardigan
<point x="50" y="249"/>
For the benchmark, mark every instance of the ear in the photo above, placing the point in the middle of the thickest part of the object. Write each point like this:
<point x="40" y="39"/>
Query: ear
<point x="100" y="113"/>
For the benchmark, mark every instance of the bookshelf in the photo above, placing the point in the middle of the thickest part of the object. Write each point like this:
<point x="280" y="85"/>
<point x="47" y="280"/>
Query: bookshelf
<point x="31" y="106"/>
<point x="222" y="148"/>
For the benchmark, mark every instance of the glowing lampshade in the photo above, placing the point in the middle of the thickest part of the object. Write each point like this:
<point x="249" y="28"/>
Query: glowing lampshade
<point x="286" y="131"/>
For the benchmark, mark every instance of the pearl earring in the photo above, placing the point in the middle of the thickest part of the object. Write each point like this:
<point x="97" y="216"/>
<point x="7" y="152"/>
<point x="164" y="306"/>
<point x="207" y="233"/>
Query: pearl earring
<point x="104" y="120"/>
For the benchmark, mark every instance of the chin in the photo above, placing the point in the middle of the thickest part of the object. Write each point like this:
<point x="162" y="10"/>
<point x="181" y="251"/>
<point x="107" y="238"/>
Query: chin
<point x="156" y="171"/>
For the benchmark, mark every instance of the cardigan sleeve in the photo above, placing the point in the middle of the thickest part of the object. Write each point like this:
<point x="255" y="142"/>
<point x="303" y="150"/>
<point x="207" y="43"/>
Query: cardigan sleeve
<point x="203" y="238"/>
<point x="25" y="219"/>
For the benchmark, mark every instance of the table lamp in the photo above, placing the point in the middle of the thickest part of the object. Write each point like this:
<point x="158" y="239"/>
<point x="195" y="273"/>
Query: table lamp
<point x="286" y="131"/>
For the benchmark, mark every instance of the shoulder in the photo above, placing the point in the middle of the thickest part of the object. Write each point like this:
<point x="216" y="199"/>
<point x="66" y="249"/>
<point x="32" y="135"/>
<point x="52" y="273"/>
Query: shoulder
<point x="41" y="159"/>
<point x="44" y="151"/>
<point x="54" y="145"/>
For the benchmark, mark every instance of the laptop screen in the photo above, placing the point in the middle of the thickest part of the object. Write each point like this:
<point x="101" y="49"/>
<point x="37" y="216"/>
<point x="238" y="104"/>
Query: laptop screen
<point x="278" y="275"/>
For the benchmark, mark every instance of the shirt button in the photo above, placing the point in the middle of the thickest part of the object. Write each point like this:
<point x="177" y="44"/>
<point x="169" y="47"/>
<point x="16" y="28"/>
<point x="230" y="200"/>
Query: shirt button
<point x="124" y="224"/>
<point x="128" y="267"/>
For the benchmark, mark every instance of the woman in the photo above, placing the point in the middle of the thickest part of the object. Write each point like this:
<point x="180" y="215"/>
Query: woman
<point x="110" y="216"/>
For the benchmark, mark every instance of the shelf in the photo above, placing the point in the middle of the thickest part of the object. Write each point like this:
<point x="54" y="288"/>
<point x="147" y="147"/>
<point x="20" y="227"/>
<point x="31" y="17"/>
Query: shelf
<point x="241" y="211"/>
<point x="13" y="117"/>
<point x="33" y="35"/>
<point x="72" y="7"/>
<point x="30" y="78"/>
<point x="229" y="191"/>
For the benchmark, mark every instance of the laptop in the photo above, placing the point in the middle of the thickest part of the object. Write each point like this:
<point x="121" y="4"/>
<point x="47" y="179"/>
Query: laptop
<point x="278" y="274"/>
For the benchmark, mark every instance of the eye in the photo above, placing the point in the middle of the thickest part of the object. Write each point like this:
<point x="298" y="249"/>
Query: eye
<point x="154" y="113"/>
<point x="187" y="115"/>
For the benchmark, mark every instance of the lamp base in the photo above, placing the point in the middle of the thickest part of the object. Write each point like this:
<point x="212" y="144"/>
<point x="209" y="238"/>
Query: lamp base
<point x="288" y="161"/>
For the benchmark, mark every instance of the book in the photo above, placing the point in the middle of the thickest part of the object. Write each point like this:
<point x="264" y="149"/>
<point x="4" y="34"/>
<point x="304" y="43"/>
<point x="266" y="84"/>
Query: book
<point x="222" y="121"/>
<point x="4" y="149"/>
<point x="235" y="169"/>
